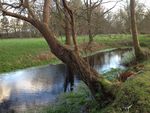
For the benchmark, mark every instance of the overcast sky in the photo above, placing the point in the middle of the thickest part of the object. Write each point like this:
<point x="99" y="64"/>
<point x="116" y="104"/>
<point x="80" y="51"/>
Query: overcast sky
<point x="111" y="4"/>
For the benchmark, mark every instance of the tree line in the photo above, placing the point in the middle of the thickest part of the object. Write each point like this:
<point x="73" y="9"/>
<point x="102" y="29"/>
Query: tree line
<point x="91" y="19"/>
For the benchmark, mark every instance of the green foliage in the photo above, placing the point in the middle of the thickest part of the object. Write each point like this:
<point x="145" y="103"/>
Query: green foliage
<point x="134" y="93"/>
<point x="128" y="57"/>
<point x="72" y="102"/>
<point x="113" y="74"/>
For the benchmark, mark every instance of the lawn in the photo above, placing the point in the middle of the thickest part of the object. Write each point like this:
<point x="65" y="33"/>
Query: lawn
<point x="22" y="53"/>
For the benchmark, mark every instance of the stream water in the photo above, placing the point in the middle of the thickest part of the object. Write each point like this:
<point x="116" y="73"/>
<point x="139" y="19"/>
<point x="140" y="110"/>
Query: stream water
<point x="40" y="86"/>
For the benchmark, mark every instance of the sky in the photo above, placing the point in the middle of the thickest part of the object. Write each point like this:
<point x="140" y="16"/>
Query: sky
<point x="111" y="4"/>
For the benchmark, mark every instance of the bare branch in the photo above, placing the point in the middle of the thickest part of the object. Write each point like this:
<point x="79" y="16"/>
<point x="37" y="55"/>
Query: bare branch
<point x="13" y="5"/>
<point x="16" y="15"/>
<point x="110" y="8"/>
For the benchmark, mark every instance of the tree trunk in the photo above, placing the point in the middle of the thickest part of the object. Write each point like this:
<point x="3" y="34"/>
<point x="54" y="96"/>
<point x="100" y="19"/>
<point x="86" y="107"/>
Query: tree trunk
<point x="89" y="26"/>
<point x="67" y="33"/>
<point x="67" y="28"/>
<point x="72" y="24"/>
<point x="69" y="79"/>
<point x="138" y="52"/>
<point x="99" y="87"/>
<point x="90" y="35"/>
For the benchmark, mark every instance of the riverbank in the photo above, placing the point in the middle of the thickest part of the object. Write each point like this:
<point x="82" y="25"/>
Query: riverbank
<point x="133" y="97"/>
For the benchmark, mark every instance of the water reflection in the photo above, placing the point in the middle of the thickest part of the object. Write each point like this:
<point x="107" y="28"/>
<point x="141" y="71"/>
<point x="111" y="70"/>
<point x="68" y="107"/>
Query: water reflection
<point x="32" y="86"/>
<point x="105" y="61"/>
<point x="39" y="86"/>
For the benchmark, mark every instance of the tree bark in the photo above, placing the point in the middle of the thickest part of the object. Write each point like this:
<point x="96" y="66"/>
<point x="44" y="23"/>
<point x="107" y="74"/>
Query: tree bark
<point x="67" y="33"/>
<point x="67" y="28"/>
<point x="89" y="17"/>
<point x="69" y="79"/>
<point x="90" y="31"/>
<point x="138" y="52"/>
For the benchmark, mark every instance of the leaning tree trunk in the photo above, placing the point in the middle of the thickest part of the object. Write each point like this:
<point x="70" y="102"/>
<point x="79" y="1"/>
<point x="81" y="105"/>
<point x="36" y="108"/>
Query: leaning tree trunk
<point x="138" y="52"/>
<point x="99" y="87"/>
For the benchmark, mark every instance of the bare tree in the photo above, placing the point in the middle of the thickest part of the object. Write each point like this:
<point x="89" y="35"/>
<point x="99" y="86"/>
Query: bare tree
<point x="5" y="25"/>
<point x="90" y="7"/>
<point x="138" y="52"/>
<point x="62" y="14"/>
<point x="26" y="10"/>
<point x="145" y="24"/>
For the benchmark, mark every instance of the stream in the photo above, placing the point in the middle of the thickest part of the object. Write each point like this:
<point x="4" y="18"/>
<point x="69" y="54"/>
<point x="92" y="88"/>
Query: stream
<point x="39" y="86"/>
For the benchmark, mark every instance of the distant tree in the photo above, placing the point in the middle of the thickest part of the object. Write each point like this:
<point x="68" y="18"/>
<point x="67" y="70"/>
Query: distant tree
<point x="122" y="19"/>
<point x="138" y="52"/>
<point x="145" y="23"/>
<point x="5" y="25"/>
<point x="92" y="9"/>
<point x="61" y="19"/>
<point x="29" y="31"/>
<point x="13" y="26"/>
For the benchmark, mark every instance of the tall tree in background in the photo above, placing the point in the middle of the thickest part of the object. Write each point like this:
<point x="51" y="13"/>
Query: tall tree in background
<point x="69" y="15"/>
<point x="145" y="24"/>
<point x="122" y="19"/>
<point x="5" y="25"/>
<point x="100" y="88"/>
<point x="90" y="7"/>
<point x="62" y="14"/>
<point x="138" y="52"/>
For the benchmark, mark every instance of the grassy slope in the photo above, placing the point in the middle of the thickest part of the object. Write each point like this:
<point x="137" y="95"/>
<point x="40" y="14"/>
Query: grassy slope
<point x="135" y="93"/>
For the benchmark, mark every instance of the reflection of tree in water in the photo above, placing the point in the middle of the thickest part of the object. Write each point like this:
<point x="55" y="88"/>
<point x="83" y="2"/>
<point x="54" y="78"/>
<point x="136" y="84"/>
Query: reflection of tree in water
<point x="5" y="106"/>
<point x="103" y="60"/>
<point x="69" y="79"/>
<point x="50" y="78"/>
<point x="96" y="59"/>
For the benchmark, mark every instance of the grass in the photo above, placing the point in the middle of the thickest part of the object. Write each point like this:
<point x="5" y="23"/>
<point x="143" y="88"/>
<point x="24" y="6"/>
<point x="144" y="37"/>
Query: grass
<point x="21" y="53"/>
<point x="135" y="93"/>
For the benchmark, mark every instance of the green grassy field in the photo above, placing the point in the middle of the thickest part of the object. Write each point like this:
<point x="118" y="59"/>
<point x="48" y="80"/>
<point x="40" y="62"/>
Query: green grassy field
<point x="23" y="53"/>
